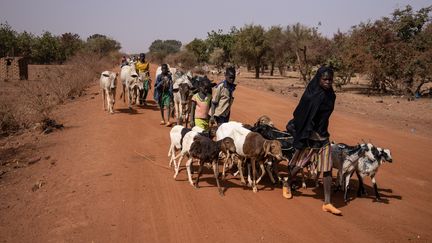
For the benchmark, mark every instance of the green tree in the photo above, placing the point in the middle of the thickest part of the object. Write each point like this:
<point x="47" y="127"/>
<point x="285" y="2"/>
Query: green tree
<point x="225" y="42"/>
<point x="101" y="44"/>
<point x="199" y="48"/>
<point x="25" y="44"/>
<point x="69" y="45"/>
<point x="310" y="48"/>
<point x="159" y="49"/>
<point x="251" y="46"/>
<point x="46" y="49"/>
<point x="7" y="40"/>
<point x="278" y="52"/>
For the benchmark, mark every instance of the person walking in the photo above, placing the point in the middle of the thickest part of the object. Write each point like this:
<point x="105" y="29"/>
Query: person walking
<point x="310" y="131"/>
<point x="163" y="93"/>
<point x="223" y="98"/>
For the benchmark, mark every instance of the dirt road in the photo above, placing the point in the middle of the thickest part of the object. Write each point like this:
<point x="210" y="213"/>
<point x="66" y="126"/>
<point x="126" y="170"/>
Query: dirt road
<point x="107" y="181"/>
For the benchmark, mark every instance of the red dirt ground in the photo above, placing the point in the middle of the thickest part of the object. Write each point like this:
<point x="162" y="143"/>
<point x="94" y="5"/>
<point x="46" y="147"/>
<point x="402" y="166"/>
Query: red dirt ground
<point x="107" y="180"/>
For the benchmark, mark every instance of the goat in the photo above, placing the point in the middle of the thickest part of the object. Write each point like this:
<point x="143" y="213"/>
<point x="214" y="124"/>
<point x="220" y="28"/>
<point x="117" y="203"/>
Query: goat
<point x="250" y="145"/>
<point x="258" y="149"/>
<point x="207" y="151"/>
<point x="346" y="159"/>
<point x="238" y="133"/>
<point x="272" y="133"/>
<point x="367" y="167"/>
<point x="108" y="83"/>
<point x="188" y="136"/>
<point x="264" y="120"/>
<point x="182" y="97"/>
<point x="177" y="134"/>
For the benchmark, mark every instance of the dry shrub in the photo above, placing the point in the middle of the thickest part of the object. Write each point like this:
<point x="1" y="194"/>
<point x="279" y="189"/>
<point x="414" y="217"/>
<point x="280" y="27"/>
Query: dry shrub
<point x="25" y="103"/>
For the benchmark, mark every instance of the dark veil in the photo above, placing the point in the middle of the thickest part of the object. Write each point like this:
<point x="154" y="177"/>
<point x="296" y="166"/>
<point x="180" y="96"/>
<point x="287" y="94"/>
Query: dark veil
<point x="313" y="111"/>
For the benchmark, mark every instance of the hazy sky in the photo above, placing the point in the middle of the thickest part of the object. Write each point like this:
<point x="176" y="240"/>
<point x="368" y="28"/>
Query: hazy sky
<point x="136" y="24"/>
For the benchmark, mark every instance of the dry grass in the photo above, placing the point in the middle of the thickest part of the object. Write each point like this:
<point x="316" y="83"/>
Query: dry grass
<point x="24" y="104"/>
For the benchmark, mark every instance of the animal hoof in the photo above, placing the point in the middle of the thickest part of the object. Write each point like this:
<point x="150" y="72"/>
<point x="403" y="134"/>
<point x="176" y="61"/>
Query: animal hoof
<point x="255" y="189"/>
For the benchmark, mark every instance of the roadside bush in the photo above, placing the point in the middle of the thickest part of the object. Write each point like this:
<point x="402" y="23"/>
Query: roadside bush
<point x="26" y="103"/>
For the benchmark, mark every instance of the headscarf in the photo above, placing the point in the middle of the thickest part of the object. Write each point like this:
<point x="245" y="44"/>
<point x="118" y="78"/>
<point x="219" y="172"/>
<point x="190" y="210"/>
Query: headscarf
<point x="313" y="111"/>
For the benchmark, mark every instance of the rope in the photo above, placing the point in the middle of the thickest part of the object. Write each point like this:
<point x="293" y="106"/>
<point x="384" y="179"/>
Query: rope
<point x="152" y="161"/>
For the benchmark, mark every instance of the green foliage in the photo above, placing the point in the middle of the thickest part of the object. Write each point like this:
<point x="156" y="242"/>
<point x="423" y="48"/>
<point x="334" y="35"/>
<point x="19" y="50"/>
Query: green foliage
<point x="217" y="57"/>
<point x="225" y="42"/>
<point x="309" y="47"/>
<point x="159" y="49"/>
<point x="25" y="44"/>
<point x="184" y="59"/>
<point x="7" y="40"/>
<point x="199" y="48"/>
<point x="69" y="45"/>
<point x="100" y="44"/>
<point x="394" y="52"/>
<point x="251" y="46"/>
<point x="46" y="49"/>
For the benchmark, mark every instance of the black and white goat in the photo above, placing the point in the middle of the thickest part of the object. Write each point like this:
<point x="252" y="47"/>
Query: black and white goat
<point x="367" y="167"/>
<point x="364" y="159"/>
<point x="205" y="150"/>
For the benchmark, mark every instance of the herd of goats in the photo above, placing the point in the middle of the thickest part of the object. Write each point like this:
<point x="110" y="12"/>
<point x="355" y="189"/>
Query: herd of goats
<point x="241" y="148"/>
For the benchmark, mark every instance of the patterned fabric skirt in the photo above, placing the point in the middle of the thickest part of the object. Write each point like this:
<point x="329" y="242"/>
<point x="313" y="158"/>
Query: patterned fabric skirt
<point x="320" y="156"/>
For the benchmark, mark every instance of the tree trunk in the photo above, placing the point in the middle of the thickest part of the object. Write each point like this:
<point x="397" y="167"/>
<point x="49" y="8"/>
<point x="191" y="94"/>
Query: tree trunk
<point x="257" y="71"/>
<point x="272" y="68"/>
<point x="281" y="71"/>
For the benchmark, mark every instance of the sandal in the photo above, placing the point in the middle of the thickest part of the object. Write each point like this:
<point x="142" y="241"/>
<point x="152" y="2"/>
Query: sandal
<point x="162" y="123"/>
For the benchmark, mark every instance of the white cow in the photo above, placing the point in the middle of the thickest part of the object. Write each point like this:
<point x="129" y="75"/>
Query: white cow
<point x="182" y="88"/>
<point x="108" y="83"/>
<point x="131" y="82"/>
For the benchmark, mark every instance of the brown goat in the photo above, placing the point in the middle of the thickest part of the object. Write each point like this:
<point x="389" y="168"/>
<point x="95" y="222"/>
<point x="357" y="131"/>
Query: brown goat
<point x="264" y="120"/>
<point x="256" y="148"/>
<point x="206" y="150"/>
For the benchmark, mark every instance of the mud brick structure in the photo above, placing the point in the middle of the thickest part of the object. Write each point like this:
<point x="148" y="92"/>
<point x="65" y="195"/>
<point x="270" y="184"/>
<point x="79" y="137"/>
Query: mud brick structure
<point x="13" y="68"/>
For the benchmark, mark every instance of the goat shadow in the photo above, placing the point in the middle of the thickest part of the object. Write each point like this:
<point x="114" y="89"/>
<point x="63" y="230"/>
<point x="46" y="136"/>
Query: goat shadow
<point x="230" y="181"/>
<point x="130" y="111"/>
<point x="337" y="196"/>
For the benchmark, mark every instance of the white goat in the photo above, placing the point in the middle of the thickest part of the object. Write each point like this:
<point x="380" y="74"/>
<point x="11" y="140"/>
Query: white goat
<point x="176" y="136"/>
<point x="108" y="83"/>
<point x="238" y="133"/>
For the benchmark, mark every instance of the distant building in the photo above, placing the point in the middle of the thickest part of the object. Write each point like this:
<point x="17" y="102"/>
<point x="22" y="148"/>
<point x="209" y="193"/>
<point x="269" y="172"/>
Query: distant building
<point x="13" y="68"/>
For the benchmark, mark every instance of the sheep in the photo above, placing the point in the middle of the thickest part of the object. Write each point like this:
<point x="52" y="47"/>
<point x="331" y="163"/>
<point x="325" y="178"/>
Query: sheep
<point x="108" y="83"/>
<point x="207" y="151"/>
<point x="367" y="167"/>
